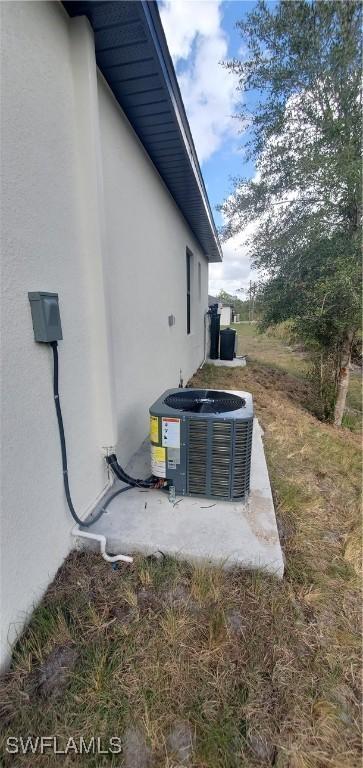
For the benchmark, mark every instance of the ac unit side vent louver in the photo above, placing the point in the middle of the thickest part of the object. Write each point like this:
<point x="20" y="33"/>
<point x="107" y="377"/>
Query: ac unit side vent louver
<point x="197" y="455"/>
<point x="221" y="458"/>
<point x="242" y="459"/>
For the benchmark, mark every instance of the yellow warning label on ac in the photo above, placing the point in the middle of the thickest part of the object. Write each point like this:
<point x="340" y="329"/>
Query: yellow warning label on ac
<point x="158" y="453"/>
<point x="154" y="429"/>
<point x="158" y="460"/>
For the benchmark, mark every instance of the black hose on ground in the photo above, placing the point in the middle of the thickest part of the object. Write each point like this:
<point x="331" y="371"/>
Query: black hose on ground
<point x="62" y="439"/>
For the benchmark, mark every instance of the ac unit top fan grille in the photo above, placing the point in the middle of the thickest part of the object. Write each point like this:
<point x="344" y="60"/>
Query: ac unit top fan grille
<point x="204" y="401"/>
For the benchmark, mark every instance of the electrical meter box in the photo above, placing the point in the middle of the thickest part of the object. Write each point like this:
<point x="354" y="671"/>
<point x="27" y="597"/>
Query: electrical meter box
<point x="46" y="316"/>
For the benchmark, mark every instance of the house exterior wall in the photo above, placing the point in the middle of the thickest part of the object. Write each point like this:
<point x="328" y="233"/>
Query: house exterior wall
<point x="41" y="250"/>
<point x="46" y="245"/>
<point x="147" y="239"/>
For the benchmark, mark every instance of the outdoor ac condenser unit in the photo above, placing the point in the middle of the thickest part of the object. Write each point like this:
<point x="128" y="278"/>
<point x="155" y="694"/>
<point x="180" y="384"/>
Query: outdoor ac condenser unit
<point x="201" y="442"/>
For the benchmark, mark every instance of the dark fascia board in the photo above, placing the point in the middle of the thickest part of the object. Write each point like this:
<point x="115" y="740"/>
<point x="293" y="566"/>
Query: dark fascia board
<point x="197" y="214"/>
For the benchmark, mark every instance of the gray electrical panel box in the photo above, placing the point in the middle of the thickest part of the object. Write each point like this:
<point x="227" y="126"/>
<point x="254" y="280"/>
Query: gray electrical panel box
<point x="45" y="315"/>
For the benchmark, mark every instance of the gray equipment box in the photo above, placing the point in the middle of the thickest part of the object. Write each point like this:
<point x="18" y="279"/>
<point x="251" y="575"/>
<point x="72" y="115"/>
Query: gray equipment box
<point x="46" y="316"/>
<point x="201" y="442"/>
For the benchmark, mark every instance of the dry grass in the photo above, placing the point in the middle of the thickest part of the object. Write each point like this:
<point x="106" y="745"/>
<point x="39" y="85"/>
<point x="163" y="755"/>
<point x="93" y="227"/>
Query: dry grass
<point x="247" y="670"/>
<point x="269" y="349"/>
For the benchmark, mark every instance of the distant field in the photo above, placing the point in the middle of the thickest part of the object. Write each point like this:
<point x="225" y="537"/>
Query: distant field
<point x="268" y="350"/>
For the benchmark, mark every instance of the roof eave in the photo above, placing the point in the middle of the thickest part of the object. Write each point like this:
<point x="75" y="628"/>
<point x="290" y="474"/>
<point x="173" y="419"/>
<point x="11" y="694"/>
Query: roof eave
<point x="133" y="56"/>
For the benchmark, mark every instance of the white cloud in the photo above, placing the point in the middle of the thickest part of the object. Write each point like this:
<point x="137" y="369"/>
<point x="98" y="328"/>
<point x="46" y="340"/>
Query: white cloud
<point x="198" y="43"/>
<point x="184" y="19"/>
<point x="235" y="271"/>
<point x="243" y="52"/>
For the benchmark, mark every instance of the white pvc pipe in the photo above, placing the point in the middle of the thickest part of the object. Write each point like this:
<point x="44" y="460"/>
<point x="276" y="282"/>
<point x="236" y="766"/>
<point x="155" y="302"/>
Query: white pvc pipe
<point x="102" y="542"/>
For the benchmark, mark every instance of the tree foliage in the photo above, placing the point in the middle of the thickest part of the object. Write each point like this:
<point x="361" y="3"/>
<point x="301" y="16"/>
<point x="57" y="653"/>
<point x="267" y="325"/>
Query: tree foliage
<point x="304" y="67"/>
<point x="240" y="307"/>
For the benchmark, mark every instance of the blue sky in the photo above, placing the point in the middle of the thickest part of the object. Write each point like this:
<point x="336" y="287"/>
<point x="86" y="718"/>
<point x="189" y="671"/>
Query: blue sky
<point x="229" y="160"/>
<point x="200" y="34"/>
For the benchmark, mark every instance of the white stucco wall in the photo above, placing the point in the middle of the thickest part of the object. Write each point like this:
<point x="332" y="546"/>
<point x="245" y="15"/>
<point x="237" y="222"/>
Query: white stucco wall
<point x="40" y="250"/>
<point x="147" y="239"/>
<point x="51" y="241"/>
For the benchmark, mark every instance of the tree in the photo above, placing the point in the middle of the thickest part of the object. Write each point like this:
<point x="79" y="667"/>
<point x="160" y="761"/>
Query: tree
<point x="240" y="307"/>
<point x="304" y="67"/>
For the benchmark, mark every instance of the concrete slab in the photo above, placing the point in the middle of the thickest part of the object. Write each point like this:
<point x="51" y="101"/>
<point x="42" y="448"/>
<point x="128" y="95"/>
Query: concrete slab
<point x="237" y="362"/>
<point x="197" y="529"/>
